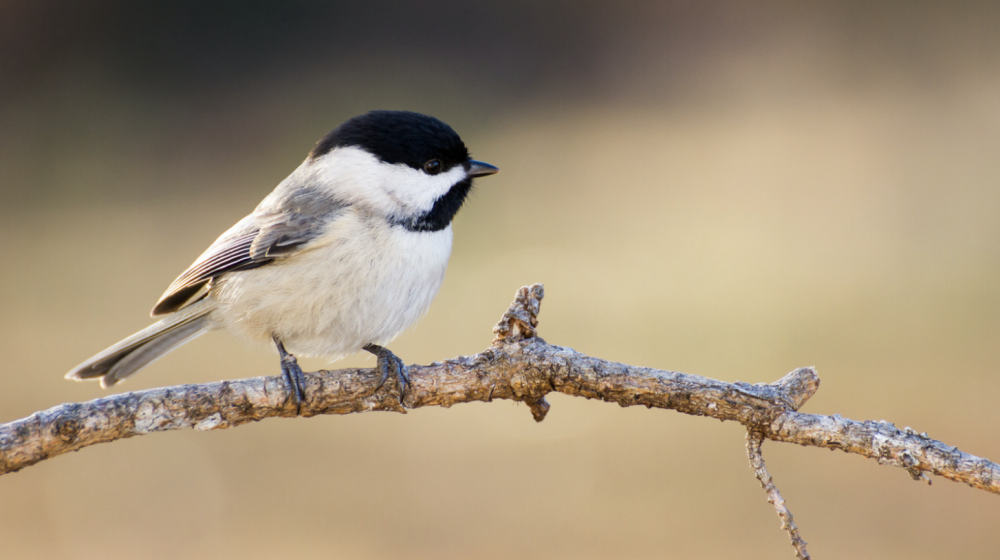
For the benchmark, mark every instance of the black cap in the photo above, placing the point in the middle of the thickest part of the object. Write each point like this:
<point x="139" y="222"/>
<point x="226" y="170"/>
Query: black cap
<point x="398" y="137"/>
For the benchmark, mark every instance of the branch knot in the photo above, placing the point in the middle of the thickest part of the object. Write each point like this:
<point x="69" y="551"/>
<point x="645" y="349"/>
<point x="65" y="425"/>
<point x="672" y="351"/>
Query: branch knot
<point x="520" y="320"/>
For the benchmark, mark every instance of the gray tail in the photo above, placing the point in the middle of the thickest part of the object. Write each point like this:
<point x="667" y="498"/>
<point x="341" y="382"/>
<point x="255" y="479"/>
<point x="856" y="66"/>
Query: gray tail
<point x="146" y="346"/>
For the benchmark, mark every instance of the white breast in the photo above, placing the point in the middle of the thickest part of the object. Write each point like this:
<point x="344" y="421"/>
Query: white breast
<point x="361" y="282"/>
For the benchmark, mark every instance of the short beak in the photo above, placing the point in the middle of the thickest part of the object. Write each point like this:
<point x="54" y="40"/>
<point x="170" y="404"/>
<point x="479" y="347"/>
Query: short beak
<point x="480" y="169"/>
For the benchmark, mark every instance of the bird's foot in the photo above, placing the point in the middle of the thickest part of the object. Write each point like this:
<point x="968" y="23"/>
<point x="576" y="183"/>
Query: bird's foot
<point x="293" y="375"/>
<point x="387" y="361"/>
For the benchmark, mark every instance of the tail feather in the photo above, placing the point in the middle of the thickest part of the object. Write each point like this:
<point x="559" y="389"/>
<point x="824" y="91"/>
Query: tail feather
<point x="142" y="348"/>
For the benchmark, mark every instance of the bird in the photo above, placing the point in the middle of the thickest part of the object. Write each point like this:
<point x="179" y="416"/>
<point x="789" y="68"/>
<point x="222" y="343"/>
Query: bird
<point x="345" y="254"/>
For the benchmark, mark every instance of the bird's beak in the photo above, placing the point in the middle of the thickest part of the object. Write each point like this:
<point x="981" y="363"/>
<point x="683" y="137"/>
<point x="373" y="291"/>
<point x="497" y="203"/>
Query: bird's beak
<point x="480" y="169"/>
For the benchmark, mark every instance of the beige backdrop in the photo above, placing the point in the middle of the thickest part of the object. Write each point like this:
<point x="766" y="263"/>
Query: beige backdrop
<point x="721" y="191"/>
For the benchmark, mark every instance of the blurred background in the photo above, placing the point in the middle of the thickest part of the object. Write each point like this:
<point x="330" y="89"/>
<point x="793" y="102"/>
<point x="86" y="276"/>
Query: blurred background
<point x="712" y="187"/>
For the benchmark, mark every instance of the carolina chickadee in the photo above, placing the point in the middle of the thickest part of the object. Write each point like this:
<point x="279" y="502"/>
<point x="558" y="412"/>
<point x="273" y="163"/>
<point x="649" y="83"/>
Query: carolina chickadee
<point x="343" y="255"/>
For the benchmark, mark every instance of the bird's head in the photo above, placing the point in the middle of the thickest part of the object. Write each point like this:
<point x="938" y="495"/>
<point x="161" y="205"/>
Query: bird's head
<point x="413" y="169"/>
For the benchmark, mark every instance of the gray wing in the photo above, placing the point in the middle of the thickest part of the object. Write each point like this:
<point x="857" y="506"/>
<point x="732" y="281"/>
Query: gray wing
<point x="255" y="241"/>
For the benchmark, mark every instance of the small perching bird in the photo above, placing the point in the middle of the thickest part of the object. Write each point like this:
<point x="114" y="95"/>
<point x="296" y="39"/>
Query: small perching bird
<point x="343" y="255"/>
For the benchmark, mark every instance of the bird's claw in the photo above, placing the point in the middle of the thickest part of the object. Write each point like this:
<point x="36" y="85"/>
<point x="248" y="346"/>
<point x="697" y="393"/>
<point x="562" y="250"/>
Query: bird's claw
<point x="389" y="362"/>
<point x="293" y="376"/>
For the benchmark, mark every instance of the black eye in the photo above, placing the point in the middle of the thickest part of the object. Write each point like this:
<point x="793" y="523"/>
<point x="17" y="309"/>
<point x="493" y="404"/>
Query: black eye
<point x="432" y="167"/>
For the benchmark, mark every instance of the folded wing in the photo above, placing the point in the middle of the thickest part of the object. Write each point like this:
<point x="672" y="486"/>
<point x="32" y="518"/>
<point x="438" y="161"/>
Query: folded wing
<point x="251" y="243"/>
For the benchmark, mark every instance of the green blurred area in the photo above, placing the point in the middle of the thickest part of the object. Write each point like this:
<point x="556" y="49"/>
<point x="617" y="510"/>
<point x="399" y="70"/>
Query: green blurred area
<point x="714" y="188"/>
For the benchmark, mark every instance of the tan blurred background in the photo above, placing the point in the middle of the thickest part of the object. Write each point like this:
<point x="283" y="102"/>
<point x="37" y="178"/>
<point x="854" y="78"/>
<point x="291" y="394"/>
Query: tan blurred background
<point x="708" y="187"/>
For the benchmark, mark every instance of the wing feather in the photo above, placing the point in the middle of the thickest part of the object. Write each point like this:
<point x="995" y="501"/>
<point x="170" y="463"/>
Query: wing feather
<point x="257" y="243"/>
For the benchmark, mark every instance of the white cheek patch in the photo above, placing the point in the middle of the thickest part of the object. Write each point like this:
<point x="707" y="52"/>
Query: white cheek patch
<point x="355" y="176"/>
<point x="415" y="190"/>
<point x="350" y="174"/>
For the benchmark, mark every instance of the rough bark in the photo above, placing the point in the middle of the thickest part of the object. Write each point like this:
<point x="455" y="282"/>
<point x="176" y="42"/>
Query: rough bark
<point x="754" y="441"/>
<point x="519" y="366"/>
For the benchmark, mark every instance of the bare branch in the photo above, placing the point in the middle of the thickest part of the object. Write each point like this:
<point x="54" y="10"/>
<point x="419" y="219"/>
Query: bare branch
<point x="518" y="366"/>
<point x="754" y="441"/>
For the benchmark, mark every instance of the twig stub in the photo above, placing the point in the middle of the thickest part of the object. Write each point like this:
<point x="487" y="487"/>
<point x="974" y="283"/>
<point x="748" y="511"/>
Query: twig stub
<point x="521" y="318"/>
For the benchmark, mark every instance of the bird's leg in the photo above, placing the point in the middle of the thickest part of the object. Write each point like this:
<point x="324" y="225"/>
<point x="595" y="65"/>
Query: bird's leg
<point x="388" y="361"/>
<point x="293" y="375"/>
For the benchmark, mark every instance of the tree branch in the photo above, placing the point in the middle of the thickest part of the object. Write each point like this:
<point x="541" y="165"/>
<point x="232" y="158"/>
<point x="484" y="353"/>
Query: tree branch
<point x="518" y="366"/>
<point x="754" y="441"/>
